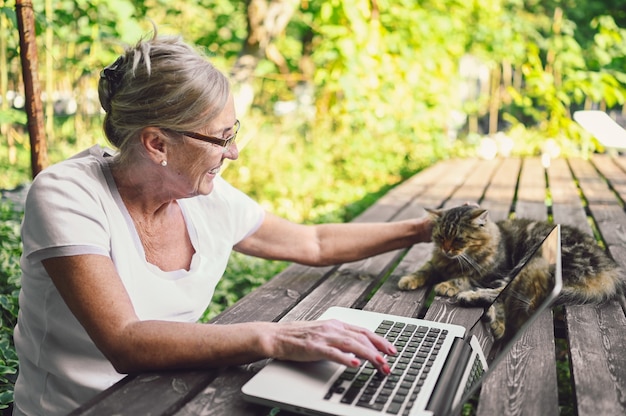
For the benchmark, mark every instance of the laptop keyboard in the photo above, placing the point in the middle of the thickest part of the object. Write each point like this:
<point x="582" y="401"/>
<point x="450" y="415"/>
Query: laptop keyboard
<point x="396" y="393"/>
<point x="475" y="373"/>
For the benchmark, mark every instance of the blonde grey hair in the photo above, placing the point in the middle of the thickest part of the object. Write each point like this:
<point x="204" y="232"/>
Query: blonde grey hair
<point x="161" y="82"/>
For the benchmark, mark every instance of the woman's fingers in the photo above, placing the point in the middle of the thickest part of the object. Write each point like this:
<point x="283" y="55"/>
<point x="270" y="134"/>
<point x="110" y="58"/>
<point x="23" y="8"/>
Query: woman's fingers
<point x="332" y="340"/>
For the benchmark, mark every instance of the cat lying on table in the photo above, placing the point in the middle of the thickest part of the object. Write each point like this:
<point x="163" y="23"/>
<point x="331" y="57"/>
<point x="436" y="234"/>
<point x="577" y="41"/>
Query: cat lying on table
<point x="473" y="260"/>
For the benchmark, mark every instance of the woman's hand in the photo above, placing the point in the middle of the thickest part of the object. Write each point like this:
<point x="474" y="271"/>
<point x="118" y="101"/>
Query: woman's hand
<point x="331" y="340"/>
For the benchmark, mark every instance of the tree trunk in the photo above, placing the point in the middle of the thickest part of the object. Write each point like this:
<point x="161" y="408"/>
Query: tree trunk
<point x="49" y="74"/>
<point x="32" y="89"/>
<point x="266" y="20"/>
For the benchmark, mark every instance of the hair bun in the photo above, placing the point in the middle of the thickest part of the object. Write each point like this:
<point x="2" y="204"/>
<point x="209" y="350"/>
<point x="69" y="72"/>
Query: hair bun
<point x="110" y="81"/>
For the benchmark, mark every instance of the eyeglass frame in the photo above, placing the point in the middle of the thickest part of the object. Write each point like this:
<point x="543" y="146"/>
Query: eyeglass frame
<point x="224" y="144"/>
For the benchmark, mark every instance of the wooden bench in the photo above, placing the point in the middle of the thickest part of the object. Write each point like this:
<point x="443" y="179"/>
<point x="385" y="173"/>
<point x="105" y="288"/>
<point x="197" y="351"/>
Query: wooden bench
<point x="588" y="194"/>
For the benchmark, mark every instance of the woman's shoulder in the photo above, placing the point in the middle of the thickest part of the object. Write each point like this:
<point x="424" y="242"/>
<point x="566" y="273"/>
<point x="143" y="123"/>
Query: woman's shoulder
<point x="80" y="167"/>
<point x="81" y="174"/>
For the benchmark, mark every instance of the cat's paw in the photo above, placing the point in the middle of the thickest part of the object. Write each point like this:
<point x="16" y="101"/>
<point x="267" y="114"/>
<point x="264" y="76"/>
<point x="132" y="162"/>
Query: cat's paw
<point x="412" y="281"/>
<point x="477" y="297"/>
<point x="469" y="298"/>
<point x="496" y="322"/>
<point x="447" y="288"/>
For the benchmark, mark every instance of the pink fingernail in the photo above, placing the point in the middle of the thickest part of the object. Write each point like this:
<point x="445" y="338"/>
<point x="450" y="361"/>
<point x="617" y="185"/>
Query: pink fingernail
<point x="355" y="362"/>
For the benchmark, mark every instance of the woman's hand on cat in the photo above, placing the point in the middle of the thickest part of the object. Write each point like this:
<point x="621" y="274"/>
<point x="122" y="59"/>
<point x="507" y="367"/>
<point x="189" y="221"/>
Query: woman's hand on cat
<point x="425" y="229"/>
<point x="332" y="340"/>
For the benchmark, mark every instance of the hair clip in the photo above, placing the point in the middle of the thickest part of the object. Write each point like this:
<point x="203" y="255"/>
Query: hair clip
<point x="113" y="75"/>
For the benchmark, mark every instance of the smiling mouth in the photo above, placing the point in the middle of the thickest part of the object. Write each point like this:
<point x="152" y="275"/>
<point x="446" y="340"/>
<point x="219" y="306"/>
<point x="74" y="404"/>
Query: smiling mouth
<point x="215" y="170"/>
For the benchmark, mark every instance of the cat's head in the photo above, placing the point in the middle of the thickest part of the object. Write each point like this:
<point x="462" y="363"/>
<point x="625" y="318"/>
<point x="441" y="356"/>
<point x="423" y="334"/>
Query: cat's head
<point x="460" y="229"/>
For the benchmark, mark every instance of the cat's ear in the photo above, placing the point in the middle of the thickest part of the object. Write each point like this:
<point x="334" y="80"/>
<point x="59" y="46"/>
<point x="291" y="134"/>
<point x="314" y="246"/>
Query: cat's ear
<point x="480" y="216"/>
<point x="434" y="213"/>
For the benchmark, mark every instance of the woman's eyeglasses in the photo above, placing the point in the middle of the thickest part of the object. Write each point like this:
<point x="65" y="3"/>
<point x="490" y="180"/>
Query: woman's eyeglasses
<point x="224" y="144"/>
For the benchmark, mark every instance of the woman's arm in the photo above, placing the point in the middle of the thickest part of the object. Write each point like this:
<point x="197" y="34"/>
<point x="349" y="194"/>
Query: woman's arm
<point x="325" y="244"/>
<point x="92" y="289"/>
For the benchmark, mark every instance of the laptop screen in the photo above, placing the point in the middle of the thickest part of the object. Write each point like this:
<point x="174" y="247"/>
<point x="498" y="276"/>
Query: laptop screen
<point x="537" y="283"/>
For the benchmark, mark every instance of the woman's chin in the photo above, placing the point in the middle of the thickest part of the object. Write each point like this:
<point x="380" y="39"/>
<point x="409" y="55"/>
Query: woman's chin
<point x="206" y="185"/>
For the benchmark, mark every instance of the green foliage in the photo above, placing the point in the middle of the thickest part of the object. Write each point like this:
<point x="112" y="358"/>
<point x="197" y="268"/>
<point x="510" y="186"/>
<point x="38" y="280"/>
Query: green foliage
<point x="243" y="274"/>
<point x="390" y="80"/>
<point x="566" y="403"/>
<point x="10" y="251"/>
<point x="305" y="172"/>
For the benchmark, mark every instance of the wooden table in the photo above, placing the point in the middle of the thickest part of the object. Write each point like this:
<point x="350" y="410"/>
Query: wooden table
<point x="588" y="194"/>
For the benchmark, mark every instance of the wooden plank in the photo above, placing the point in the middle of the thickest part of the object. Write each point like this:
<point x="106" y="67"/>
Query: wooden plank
<point x="389" y="299"/>
<point x="567" y="207"/>
<point x="277" y="295"/>
<point x="388" y="206"/>
<point x="595" y="187"/>
<point x="131" y="396"/>
<point x="598" y="362"/>
<point x="527" y="374"/>
<point x="475" y="184"/>
<point x="453" y="176"/>
<point x="612" y="168"/>
<point x="618" y="160"/>
<point x="597" y="340"/>
<point x="223" y="396"/>
<point x="531" y="195"/>
<point x="499" y="197"/>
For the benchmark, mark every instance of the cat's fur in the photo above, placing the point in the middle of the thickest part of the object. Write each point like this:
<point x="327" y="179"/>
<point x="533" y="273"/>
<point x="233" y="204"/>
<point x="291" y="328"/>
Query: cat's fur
<point x="473" y="259"/>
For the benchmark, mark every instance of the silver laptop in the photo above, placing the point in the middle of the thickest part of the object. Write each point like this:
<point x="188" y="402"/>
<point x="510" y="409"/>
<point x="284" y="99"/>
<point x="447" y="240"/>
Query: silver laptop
<point x="438" y="367"/>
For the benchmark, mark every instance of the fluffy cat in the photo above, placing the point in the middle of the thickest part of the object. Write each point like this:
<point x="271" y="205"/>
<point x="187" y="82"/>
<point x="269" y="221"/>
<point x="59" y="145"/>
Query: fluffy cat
<point x="473" y="259"/>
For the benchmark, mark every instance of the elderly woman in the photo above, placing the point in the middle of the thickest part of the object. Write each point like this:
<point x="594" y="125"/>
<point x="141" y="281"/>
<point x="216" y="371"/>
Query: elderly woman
<point x="122" y="250"/>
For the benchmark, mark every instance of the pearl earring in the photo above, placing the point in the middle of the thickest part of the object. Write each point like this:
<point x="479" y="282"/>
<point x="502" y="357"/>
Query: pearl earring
<point x="164" y="163"/>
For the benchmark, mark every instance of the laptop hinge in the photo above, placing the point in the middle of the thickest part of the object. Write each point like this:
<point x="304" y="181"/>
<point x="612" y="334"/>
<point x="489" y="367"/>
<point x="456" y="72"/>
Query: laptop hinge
<point x="450" y="378"/>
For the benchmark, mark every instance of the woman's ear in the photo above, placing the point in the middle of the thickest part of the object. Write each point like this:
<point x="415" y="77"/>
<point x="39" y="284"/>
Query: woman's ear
<point x="154" y="142"/>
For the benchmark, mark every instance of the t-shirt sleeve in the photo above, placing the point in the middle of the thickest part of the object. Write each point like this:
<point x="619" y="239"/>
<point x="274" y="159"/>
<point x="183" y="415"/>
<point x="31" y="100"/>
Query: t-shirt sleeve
<point x="247" y="213"/>
<point x="241" y="215"/>
<point x="64" y="216"/>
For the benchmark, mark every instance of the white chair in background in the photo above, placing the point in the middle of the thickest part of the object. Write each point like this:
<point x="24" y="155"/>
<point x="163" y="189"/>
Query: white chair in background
<point x="609" y="134"/>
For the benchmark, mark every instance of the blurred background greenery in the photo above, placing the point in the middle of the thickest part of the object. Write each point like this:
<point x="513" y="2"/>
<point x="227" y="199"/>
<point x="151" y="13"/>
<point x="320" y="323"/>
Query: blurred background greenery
<point x="339" y="100"/>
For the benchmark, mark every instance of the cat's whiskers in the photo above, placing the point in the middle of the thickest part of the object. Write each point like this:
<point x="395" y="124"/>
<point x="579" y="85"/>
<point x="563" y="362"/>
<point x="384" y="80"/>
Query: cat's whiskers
<point x="466" y="259"/>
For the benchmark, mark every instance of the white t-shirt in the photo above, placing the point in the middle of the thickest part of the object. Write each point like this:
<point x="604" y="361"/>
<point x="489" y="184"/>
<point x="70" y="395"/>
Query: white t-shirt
<point x="74" y="208"/>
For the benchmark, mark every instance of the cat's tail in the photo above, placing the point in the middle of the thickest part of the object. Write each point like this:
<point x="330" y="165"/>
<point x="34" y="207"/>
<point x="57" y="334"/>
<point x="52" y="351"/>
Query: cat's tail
<point x="607" y="285"/>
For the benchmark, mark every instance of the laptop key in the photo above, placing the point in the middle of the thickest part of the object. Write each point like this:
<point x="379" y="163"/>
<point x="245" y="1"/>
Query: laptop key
<point x="394" y="408"/>
<point x="373" y="406"/>
<point x="350" y="395"/>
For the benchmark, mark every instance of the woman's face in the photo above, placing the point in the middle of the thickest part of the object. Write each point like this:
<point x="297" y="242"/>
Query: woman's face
<point x="196" y="163"/>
